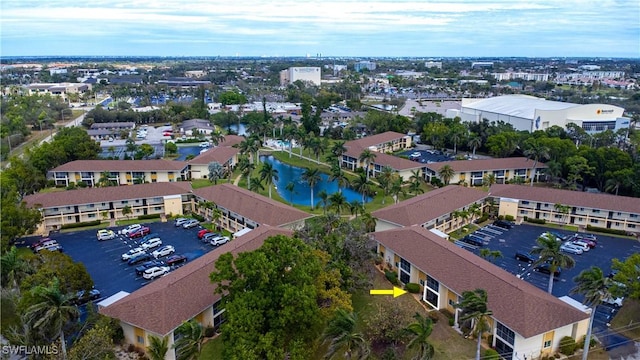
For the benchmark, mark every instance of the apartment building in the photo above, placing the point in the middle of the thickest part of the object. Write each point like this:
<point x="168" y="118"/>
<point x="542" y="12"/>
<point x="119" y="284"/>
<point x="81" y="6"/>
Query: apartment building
<point x="224" y="155"/>
<point x="472" y="172"/>
<point x="120" y="172"/>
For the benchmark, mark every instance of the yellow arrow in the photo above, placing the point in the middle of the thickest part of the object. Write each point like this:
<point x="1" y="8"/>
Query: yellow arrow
<point x="395" y="292"/>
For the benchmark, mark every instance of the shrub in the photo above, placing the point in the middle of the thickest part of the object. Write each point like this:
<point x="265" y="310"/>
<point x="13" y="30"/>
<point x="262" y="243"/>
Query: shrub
<point x="149" y="216"/>
<point x="605" y="230"/>
<point x="131" y="348"/>
<point x="209" y="331"/>
<point x="198" y="217"/>
<point x="567" y="345"/>
<point x="452" y="321"/>
<point x="535" y="221"/>
<point x="491" y="354"/>
<point x="433" y="315"/>
<point x="500" y="217"/>
<point x="591" y="344"/>
<point x="509" y="218"/>
<point x="80" y="224"/>
<point x="436" y="182"/>
<point x="71" y="186"/>
<point x="392" y="277"/>
<point x="412" y="288"/>
<point x="482" y="218"/>
<point x="82" y="184"/>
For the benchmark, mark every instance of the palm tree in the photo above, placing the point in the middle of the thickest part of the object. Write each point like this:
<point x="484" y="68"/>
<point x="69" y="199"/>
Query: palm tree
<point x="216" y="138"/>
<point x="341" y="332"/>
<point x="246" y="168"/>
<point x="268" y="173"/>
<point x="255" y="184"/>
<point x="324" y="200"/>
<point x="362" y="185"/>
<point x="290" y="187"/>
<point x="367" y="157"/>
<point x="493" y="254"/>
<point x="595" y="287"/>
<point x="355" y="207"/>
<point x="549" y="250"/>
<point x="369" y="222"/>
<point x="488" y="180"/>
<point x="104" y="181"/>
<point x="337" y="202"/>
<point x="13" y="268"/>
<point x="189" y="345"/>
<point x="475" y="308"/>
<point x="337" y="149"/>
<point x="52" y="311"/>
<point x="420" y="331"/>
<point x="216" y="171"/>
<point x="562" y="209"/>
<point x="312" y="177"/>
<point x="396" y="188"/>
<point x="474" y="143"/>
<point x="446" y="173"/>
<point x="126" y="211"/>
<point x="536" y="151"/>
<point x="554" y="170"/>
<point x="475" y="210"/>
<point x="339" y="176"/>
<point x="384" y="179"/>
<point x="158" y="347"/>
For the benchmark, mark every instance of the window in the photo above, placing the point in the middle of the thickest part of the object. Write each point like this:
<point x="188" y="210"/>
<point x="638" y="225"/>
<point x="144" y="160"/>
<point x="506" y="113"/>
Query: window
<point x="633" y="216"/>
<point x="433" y="283"/>
<point x="505" y="333"/>
<point x="631" y="226"/>
<point x="90" y="216"/>
<point x="124" y="202"/>
<point x="547" y="344"/>
<point x="404" y="264"/>
<point x="92" y="205"/>
<point x="593" y="221"/>
<point x="157" y="208"/>
<point x="595" y="211"/>
<point x="451" y="302"/>
<point x="421" y="282"/>
<point x="140" y="339"/>
<point x="524" y="202"/>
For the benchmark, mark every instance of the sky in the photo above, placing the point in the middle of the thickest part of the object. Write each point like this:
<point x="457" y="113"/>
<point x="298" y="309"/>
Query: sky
<point x="380" y="28"/>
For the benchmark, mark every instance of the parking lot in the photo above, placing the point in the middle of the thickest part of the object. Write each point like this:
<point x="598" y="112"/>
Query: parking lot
<point x="523" y="238"/>
<point x="428" y="156"/>
<point x="103" y="258"/>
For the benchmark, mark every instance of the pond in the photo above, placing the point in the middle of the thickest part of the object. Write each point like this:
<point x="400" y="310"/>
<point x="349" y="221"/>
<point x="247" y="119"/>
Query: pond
<point x="184" y="151"/>
<point x="301" y="192"/>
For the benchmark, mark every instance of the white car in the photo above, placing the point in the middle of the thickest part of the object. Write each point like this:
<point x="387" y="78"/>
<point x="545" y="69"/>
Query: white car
<point x="219" y="240"/>
<point x="163" y="251"/>
<point x="131" y="228"/>
<point x="581" y="244"/>
<point x="571" y="249"/>
<point x="105" y="234"/>
<point x="155" y="271"/>
<point x="151" y="243"/>
<point x="131" y="253"/>
<point x="190" y="223"/>
<point x="180" y="221"/>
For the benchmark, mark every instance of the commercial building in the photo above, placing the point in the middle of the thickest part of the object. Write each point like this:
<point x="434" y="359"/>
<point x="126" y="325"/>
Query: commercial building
<point x="520" y="75"/>
<point x="529" y="113"/>
<point x="526" y="321"/>
<point x="58" y="89"/>
<point x="568" y="207"/>
<point x="304" y="74"/>
<point x="364" y="65"/>
<point x="473" y="172"/>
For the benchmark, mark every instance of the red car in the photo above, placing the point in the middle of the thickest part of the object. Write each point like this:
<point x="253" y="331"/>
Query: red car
<point x="140" y="232"/>
<point x="39" y="242"/>
<point x="175" y="259"/>
<point x="203" y="232"/>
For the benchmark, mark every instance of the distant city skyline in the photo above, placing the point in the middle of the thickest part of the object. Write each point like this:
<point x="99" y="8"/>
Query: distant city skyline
<point x="382" y="28"/>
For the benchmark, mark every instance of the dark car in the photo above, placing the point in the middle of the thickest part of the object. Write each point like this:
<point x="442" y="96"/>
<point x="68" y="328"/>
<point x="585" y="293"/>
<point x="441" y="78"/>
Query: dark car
<point x="175" y="259"/>
<point x="147" y="265"/>
<point x="140" y="232"/>
<point x="545" y="269"/>
<point x="504" y="224"/>
<point x="472" y="240"/>
<point x="140" y="258"/>
<point x="83" y="297"/>
<point x="208" y="236"/>
<point x="525" y="256"/>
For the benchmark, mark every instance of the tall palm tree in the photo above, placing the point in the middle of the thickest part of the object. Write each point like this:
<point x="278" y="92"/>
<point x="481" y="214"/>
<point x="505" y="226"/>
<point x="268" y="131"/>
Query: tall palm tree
<point x="536" y="151"/>
<point x="324" y="200"/>
<point x="385" y="178"/>
<point x="246" y="168"/>
<point x="312" y="177"/>
<point x="474" y="306"/>
<point x="52" y="311"/>
<point x="355" y="207"/>
<point x="554" y="170"/>
<point x="189" y="345"/>
<point x="367" y="157"/>
<point x="290" y="187"/>
<point x="104" y="181"/>
<point x="362" y="185"/>
<point x="13" y="268"/>
<point x="549" y="250"/>
<point x="341" y="332"/>
<point x="420" y="331"/>
<point x="268" y="173"/>
<point x="255" y="184"/>
<point x="474" y="142"/>
<point x="217" y="138"/>
<point x="488" y="179"/>
<point x="446" y="173"/>
<point x="369" y="222"/>
<point x="158" y="347"/>
<point x="595" y="287"/>
<point x="396" y="188"/>
<point x="339" y="176"/>
<point x="338" y="149"/>
<point x="337" y="202"/>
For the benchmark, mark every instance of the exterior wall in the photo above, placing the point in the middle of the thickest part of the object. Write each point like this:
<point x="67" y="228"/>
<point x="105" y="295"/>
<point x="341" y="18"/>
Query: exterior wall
<point x="133" y="334"/>
<point x="201" y="171"/>
<point x="524" y="346"/>
<point x="293" y="74"/>
<point x="382" y="225"/>
<point x="173" y="205"/>
<point x="508" y="207"/>
<point x="474" y="178"/>
<point x="91" y="178"/>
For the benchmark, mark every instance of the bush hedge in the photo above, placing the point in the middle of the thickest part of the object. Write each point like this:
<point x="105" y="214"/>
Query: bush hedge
<point x="412" y="288"/>
<point x="198" y="217"/>
<point x="482" y="218"/>
<point x="491" y="354"/>
<point x="567" y="345"/>
<point x="509" y="218"/>
<point x="149" y="216"/>
<point x="605" y="230"/>
<point x="392" y="277"/>
<point x="535" y="221"/>
<point x="80" y="224"/>
<point x="209" y="331"/>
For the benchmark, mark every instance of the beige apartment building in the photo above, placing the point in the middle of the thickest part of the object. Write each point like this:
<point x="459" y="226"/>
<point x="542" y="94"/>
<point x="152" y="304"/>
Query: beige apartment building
<point x="121" y="172"/>
<point x="472" y="172"/>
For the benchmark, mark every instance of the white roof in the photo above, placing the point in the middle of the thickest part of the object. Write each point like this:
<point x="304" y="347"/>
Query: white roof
<point x="242" y="232"/>
<point x="523" y="106"/>
<point x="576" y="304"/>
<point x="113" y="298"/>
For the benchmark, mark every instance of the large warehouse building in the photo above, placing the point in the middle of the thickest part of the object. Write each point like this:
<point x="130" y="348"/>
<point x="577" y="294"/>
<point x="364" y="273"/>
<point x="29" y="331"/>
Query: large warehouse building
<point x="530" y="113"/>
<point x="293" y="74"/>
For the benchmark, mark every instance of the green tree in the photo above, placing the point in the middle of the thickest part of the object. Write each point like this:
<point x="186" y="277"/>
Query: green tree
<point x="503" y="144"/>
<point x="189" y="344"/>
<point x="536" y="151"/>
<point x="594" y="286"/>
<point x="290" y="187"/>
<point x="22" y="176"/>
<point x="95" y="344"/>
<point x="158" y="347"/>
<point x="577" y="167"/>
<point x="338" y="175"/>
<point x="396" y="188"/>
<point x="171" y="148"/>
<point x="324" y="200"/>
<point x="563" y="210"/>
<point x="367" y="157"/>
<point x="549" y="250"/>
<point x="420" y="331"/>
<point x="342" y="335"/>
<point x="232" y="98"/>
<point x="362" y="185"/>
<point x="216" y="171"/>
<point x="337" y="202"/>
<point x="256" y="185"/>
<point x="47" y="265"/>
<point x="356" y="207"/>
<point x="13" y="268"/>
<point x="144" y="151"/>
<point x="126" y="211"/>
<point x="311" y="177"/>
<point x="17" y="218"/>
<point x="246" y="168"/>
<point x="474" y="306"/>
<point x="446" y="173"/>
<point x="490" y="254"/>
<point x="475" y="142"/>
<point x="279" y="275"/>
<point x="52" y="311"/>
<point x="268" y="174"/>
<point x="627" y="274"/>
<point x="216" y="138"/>
<point x="488" y="179"/>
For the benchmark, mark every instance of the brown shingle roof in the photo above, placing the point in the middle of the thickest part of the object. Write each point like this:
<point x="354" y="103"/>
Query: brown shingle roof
<point x="122" y="165"/>
<point x="372" y="140"/>
<point x="486" y="164"/>
<point x="517" y="304"/>
<point x="105" y="194"/>
<point x="230" y="140"/>
<point x="220" y="154"/>
<point x="567" y="197"/>
<point x="164" y="304"/>
<point x="251" y="205"/>
<point x="426" y="207"/>
<point x="396" y="163"/>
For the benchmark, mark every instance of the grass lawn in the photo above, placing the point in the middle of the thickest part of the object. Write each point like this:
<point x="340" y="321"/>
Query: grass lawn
<point x="212" y="349"/>
<point x="629" y="314"/>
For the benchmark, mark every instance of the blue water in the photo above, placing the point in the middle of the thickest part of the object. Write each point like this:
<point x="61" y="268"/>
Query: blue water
<point x="184" y="151"/>
<point x="301" y="191"/>
<point x="242" y="130"/>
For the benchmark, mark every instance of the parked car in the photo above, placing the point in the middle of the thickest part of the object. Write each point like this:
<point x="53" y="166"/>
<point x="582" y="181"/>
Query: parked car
<point x="83" y="297"/>
<point x="150" y="236"/>
<point x="525" y="256"/>
<point x="139" y="258"/>
<point x="180" y="221"/>
<point x="613" y="301"/>
<point x="581" y="244"/>
<point x="151" y="243"/>
<point x="105" y="234"/>
<point x="131" y="253"/>
<point x="163" y="251"/>
<point x="190" y="223"/>
<point x="571" y="249"/>
<point x="147" y="265"/>
<point x="546" y="269"/>
<point x="590" y="240"/>
<point x="155" y="271"/>
<point x="139" y="233"/>
<point x="219" y="240"/>
<point x="504" y="224"/>
<point x="40" y="242"/>
<point x="175" y="259"/>
<point x="54" y="247"/>
<point x="130" y="228"/>
<point x="559" y="236"/>
<point x="472" y="241"/>
<point x="208" y="236"/>
<point x="586" y="236"/>
<point x="45" y="244"/>
<point x="203" y="232"/>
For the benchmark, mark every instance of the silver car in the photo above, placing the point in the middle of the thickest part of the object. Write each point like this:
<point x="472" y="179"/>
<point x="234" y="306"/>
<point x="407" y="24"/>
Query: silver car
<point x="571" y="249"/>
